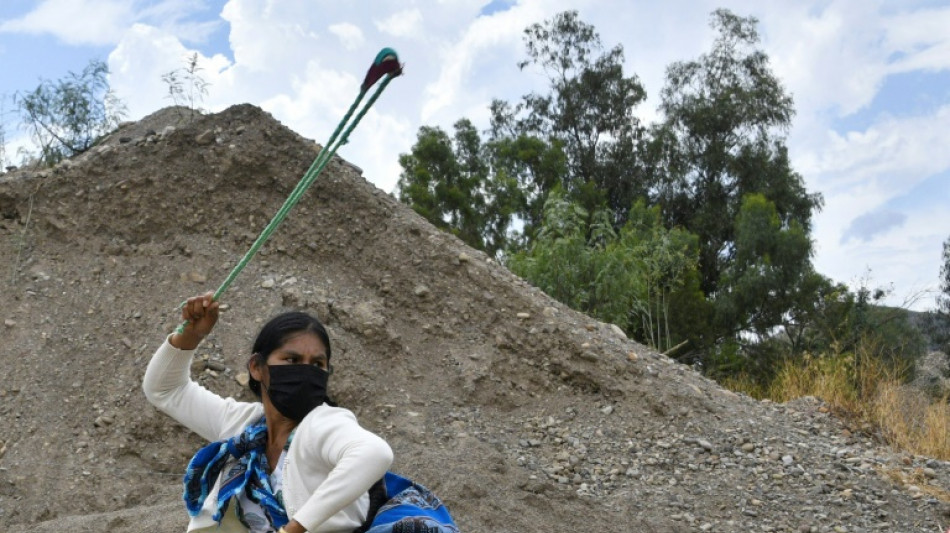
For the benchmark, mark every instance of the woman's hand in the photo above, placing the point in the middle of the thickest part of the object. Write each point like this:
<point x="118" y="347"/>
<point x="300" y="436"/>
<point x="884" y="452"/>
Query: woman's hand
<point x="293" y="527"/>
<point x="200" y="314"/>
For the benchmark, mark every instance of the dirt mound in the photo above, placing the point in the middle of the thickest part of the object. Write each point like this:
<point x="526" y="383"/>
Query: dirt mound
<point x="522" y="414"/>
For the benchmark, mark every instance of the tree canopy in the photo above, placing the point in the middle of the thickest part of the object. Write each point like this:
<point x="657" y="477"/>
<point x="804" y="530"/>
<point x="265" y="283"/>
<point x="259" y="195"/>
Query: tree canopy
<point x="693" y="233"/>
<point x="66" y="117"/>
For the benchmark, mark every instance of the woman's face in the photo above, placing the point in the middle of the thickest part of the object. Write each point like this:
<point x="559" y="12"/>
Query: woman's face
<point x="300" y="349"/>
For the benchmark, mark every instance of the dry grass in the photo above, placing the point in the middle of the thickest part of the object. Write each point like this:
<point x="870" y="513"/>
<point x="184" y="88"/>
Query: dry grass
<point x="916" y="479"/>
<point x="863" y="388"/>
<point x="912" y="421"/>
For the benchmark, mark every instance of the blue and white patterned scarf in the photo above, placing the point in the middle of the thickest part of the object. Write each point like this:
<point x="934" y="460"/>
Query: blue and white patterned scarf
<point x="244" y="455"/>
<point x="409" y="508"/>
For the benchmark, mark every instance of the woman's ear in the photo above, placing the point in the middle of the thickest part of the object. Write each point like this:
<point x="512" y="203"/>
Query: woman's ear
<point x="254" y="367"/>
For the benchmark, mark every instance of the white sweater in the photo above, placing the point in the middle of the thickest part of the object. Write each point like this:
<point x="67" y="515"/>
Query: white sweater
<point x="331" y="463"/>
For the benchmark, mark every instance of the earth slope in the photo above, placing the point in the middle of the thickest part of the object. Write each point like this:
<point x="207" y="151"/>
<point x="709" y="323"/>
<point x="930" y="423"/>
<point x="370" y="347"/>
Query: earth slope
<point x="523" y="415"/>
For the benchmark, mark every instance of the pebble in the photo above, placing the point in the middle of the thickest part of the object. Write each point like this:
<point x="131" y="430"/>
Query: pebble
<point x="421" y="291"/>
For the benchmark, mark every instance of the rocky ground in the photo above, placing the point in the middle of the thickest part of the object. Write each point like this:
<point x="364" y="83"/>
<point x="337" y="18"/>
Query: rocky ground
<point x="523" y="415"/>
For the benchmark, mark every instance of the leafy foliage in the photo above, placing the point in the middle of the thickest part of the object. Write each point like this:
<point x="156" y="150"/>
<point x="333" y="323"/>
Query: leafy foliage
<point x="693" y="235"/>
<point x="447" y="181"/>
<point x="589" y="112"/>
<point x="629" y="278"/>
<point x="721" y="170"/>
<point x="67" y="116"/>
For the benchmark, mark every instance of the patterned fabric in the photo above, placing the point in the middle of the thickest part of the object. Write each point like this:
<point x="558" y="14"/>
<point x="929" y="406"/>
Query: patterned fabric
<point x="250" y="513"/>
<point x="411" y="508"/>
<point x="245" y="463"/>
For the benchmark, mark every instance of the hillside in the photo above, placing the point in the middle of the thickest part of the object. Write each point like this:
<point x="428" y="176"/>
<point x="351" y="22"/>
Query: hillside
<point x="523" y="415"/>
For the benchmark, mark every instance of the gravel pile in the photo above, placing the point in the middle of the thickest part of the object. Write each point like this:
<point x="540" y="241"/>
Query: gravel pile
<point x="523" y="415"/>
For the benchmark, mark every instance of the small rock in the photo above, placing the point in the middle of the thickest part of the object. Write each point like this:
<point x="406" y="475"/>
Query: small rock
<point x="421" y="291"/>
<point x="243" y="378"/>
<point x="617" y="331"/>
<point x="9" y="323"/>
<point x="205" y="138"/>
<point x="216" y="366"/>
<point x="524" y="316"/>
<point x="464" y="258"/>
<point x="607" y="409"/>
<point x="125" y="140"/>
<point x="268" y="283"/>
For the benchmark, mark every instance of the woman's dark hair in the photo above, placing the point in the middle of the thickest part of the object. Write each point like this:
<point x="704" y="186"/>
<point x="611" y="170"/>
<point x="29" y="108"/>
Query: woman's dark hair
<point x="276" y="332"/>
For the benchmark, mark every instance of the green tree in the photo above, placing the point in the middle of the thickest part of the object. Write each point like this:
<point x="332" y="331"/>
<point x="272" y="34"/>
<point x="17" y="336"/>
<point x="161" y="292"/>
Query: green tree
<point x="524" y="169"/>
<point x="632" y="278"/>
<point x="446" y="181"/>
<point x="722" y="140"/>
<point x="589" y="113"/>
<point x="67" y="116"/>
<point x="665" y="260"/>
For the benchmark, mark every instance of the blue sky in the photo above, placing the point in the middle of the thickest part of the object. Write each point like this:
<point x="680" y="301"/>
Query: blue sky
<point x="871" y="82"/>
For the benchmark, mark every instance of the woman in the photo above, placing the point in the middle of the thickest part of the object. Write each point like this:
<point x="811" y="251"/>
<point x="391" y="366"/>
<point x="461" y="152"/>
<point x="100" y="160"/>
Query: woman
<point x="289" y="463"/>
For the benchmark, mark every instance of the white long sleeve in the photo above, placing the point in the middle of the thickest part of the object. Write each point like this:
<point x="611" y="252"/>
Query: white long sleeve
<point x="331" y="462"/>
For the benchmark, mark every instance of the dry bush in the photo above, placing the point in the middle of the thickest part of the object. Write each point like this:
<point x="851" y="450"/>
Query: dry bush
<point x="863" y="387"/>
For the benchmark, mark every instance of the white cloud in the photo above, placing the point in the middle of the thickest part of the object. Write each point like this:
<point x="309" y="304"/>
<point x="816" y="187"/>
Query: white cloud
<point x="75" y="22"/>
<point x="922" y="39"/>
<point x="482" y="59"/>
<point x="350" y="35"/>
<point x="103" y="22"/>
<point x="832" y="55"/>
<point x="140" y="59"/>
<point x="406" y="23"/>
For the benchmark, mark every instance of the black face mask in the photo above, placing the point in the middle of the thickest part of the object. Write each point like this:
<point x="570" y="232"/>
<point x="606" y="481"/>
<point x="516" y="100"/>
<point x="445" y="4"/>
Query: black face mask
<point x="295" y="390"/>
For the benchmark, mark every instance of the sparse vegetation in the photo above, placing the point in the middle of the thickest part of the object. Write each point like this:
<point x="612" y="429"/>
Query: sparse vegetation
<point x="3" y="132"/>
<point x="868" y="389"/>
<point x="66" y="117"/>
<point x="186" y="86"/>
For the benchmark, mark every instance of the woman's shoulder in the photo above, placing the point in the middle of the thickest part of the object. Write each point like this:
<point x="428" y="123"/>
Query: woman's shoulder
<point x="326" y="411"/>
<point x="327" y="418"/>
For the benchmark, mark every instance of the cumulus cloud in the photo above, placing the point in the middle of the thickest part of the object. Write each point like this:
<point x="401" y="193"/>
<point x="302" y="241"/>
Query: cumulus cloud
<point x="103" y="22"/>
<point x="406" y="23"/>
<point x="832" y="55"/>
<point x="71" y="21"/>
<point x="350" y="35"/>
